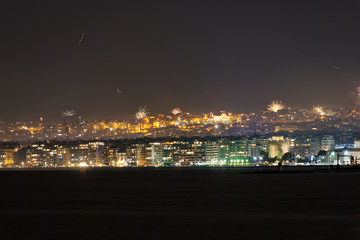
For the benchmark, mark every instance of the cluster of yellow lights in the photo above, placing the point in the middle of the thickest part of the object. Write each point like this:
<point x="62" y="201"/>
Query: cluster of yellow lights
<point x="32" y="130"/>
<point x="151" y="122"/>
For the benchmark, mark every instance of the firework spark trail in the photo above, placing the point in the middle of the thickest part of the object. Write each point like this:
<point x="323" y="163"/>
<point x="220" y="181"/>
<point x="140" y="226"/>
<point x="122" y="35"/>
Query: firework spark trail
<point x="141" y="113"/>
<point x="276" y="106"/>
<point x="68" y="113"/>
<point x="176" y="111"/>
<point x="336" y="67"/>
<point x="81" y="38"/>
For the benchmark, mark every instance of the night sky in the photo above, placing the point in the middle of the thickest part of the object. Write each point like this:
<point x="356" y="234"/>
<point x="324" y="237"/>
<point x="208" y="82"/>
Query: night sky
<point x="200" y="56"/>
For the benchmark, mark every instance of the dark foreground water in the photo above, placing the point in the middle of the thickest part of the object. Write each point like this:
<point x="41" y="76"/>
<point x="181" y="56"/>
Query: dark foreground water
<point x="178" y="204"/>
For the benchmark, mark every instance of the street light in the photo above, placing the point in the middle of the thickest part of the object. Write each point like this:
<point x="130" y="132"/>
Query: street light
<point x="332" y="154"/>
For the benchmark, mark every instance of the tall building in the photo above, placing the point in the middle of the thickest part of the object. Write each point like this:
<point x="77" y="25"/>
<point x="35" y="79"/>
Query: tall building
<point x="36" y="156"/>
<point x="58" y="156"/>
<point x="79" y="155"/>
<point x="140" y="155"/>
<point x="131" y="155"/>
<point x="328" y="143"/>
<point x="212" y="151"/>
<point x="256" y="146"/>
<point x="315" y="146"/>
<point x="63" y="157"/>
<point x="157" y="153"/>
<point x="111" y="156"/>
<point x="97" y="153"/>
<point x="238" y="152"/>
<point x="301" y="147"/>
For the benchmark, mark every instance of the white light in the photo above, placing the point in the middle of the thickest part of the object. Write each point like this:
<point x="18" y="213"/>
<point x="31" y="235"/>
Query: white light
<point x="83" y="164"/>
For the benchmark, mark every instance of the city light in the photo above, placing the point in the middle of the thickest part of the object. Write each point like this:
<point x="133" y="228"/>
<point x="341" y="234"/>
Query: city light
<point x="83" y="164"/>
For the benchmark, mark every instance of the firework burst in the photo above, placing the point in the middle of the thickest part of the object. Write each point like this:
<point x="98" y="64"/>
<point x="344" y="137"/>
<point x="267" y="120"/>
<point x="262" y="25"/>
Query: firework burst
<point x="357" y="94"/>
<point x="319" y="110"/>
<point x="176" y="111"/>
<point x="68" y="113"/>
<point x="179" y="122"/>
<point x="276" y="106"/>
<point x="141" y="113"/>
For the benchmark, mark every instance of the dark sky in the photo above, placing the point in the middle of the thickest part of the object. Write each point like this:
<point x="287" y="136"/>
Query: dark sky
<point x="199" y="55"/>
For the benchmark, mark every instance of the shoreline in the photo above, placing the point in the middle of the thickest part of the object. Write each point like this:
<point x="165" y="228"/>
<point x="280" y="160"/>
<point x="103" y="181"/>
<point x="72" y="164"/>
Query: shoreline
<point x="239" y="169"/>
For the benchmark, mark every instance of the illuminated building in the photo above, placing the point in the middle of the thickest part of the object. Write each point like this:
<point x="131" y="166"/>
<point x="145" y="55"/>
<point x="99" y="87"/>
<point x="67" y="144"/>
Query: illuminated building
<point x="301" y="147"/>
<point x="278" y="146"/>
<point x="7" y="158"/>
<point x="212" y="151"/>
<point x="157" y="153"/>
<point x="139" y="155"/>
<point x="274" y="150"/>
<point x="315" y="146"/>
<point x="121" y="160"/>
<point x="63" y="157"/>
<point x="186" y="154"/>
<point x="255" y="146"/>
<point x="111" y="156"/>
<point x="41" y="155"/>
<point x="328" y="143"/>
<point x="79" y="155"/>
<point x="67" y="131"/>
<point x="357" y="144"/>
<point x="344" y="156"/>
<point x="35" y="156"/>
<point x="58" y="156"/>
<point x="222" y="118"/>
<point x="131" y="155"/>
<point x="242" y="151"/>
<point x="168" y="155"/>
<point x="236" y="152"/>
<point x="97" y="153"/>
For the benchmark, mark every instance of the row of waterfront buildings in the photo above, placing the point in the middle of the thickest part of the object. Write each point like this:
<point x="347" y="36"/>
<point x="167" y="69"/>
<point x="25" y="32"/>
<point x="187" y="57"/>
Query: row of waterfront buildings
<point x="231" y="151"/>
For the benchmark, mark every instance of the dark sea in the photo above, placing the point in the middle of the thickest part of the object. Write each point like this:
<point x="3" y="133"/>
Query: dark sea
<point x="178" y="203"/>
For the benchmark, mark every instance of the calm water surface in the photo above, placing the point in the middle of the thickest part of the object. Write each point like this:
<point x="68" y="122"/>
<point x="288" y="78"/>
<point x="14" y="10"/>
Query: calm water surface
<point x="172" y="203"/>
